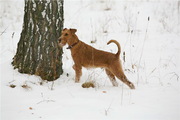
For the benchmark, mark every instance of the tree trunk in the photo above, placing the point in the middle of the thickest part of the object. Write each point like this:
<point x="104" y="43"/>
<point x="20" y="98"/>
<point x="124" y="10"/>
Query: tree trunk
<point x="38" y="52"/>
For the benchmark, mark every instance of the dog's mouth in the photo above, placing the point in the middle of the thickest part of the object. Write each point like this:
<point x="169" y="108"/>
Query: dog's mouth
<point x="61" y="45"/>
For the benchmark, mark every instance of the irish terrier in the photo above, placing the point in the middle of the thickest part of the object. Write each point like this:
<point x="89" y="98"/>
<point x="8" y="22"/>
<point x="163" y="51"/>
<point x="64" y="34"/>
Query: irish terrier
<point x="89" y="57"/>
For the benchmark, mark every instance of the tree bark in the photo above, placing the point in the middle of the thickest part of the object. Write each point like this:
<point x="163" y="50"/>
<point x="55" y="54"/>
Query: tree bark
<point x="38" y="52"/>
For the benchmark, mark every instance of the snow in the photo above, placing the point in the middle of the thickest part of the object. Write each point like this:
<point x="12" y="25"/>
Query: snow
<point x="43" y="13"/>
<point x="152" y="64"/>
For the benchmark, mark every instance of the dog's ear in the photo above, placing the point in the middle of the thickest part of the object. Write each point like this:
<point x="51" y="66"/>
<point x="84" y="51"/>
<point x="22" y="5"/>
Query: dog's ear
<point x="73" y="30"/>
<point x="64" y="29"/>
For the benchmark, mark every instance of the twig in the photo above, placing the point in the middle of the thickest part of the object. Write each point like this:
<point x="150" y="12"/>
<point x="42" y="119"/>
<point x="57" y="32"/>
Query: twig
<point x="11" y="81"/>
<point x="159" y="72"/>
<point x="3" y="31"/>
<point x="131" y="46"/>
<point x="147" y="76"/>
<point x="106" y="110"/>
<point x="152" y="72"/>
<point x="124" y="56"/>
<point x="92" y="39"/>
<point x="174" y="74"/>
<point x="13" y="34"/>
<point x="122" y="95"/>
<point x="142" y="49"/>
<point x="45" y="100"/>
<point x="52" y="85"/>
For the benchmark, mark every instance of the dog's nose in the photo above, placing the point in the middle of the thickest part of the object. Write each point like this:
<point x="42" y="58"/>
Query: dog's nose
<point x="59" y="40"/>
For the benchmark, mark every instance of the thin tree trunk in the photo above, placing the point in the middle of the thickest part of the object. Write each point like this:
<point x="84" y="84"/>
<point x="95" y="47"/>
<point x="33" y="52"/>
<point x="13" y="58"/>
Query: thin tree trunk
<point x="38" y="52"/>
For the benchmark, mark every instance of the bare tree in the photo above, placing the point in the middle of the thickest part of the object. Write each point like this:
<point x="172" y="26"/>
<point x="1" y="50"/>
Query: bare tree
<point x="38" y="52"/>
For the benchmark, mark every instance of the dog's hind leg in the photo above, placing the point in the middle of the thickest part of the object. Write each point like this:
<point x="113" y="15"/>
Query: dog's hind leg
<point x="112" y="78"/>
<point x="117" y="71"/>
<point x="124" y="79"/>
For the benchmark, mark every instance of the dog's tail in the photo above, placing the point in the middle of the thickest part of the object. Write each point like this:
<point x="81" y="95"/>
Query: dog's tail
<point x="118" y="45"/>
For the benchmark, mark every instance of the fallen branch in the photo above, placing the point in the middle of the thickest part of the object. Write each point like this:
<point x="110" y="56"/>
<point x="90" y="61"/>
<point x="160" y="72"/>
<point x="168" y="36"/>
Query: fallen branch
<point x="45" y="101"/>
<point x="174" y="74"/>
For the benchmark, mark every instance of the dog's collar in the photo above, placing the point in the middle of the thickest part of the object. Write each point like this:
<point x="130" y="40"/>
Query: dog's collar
<point x="71" y="46"/>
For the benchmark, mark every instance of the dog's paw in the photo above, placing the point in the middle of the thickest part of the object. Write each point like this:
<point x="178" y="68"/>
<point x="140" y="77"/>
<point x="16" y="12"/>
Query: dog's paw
<point x="131" y="86"/>
<point x="115" y="84"/>
<point x="76" y="81"/>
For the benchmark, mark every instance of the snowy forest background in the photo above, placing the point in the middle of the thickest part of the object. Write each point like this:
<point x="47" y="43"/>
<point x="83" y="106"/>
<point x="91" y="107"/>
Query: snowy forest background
<point x="152" y="63"/>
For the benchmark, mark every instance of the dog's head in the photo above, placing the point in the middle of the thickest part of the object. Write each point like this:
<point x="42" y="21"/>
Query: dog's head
<point x="66" y="36"/>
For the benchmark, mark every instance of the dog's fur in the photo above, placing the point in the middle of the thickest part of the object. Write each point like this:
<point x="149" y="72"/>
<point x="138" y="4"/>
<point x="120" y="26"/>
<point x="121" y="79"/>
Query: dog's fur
<point x="89" y="57"/>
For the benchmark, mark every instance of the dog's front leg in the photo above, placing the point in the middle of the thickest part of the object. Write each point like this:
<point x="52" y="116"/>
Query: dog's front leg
<point x="78" y="71"/>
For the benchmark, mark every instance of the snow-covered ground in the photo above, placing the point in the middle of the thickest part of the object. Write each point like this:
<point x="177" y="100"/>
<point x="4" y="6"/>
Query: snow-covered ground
<point x="152" y="63"/>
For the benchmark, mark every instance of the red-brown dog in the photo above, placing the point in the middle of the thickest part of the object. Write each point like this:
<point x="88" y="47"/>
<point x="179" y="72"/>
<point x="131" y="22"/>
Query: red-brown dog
<point x="89" y="57"/>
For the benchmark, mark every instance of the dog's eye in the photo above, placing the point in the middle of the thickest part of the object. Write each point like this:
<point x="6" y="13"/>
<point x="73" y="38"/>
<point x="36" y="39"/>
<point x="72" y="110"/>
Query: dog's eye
<point x="66" y="34"/>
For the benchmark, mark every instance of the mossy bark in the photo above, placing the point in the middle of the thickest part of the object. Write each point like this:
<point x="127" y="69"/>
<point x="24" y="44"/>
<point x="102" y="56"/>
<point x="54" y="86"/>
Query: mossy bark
<point x="38" y="52"/>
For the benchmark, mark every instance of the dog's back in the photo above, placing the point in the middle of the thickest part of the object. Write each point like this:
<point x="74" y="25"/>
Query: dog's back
<point x="88" y="56"/>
